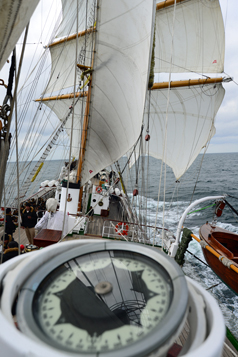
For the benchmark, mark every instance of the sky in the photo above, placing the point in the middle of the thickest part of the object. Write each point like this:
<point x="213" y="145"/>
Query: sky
<point x="226" y="137"/>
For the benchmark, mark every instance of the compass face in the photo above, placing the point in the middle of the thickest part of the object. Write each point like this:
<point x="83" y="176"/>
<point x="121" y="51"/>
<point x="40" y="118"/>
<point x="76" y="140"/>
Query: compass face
<point x="74" y="317"/>
<point x="104" y="301"/>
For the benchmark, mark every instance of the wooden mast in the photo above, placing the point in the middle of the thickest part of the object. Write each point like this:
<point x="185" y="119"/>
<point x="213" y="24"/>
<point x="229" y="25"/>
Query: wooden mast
<point x="84" y="134"/>
<point x="83" y="143"/>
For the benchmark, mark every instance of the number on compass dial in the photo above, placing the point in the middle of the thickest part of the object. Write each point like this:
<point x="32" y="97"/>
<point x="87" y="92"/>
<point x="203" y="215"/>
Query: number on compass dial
<point x="76" y="318"/>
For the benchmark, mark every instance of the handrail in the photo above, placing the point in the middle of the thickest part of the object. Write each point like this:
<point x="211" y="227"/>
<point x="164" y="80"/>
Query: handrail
<point x="174" y="246"/>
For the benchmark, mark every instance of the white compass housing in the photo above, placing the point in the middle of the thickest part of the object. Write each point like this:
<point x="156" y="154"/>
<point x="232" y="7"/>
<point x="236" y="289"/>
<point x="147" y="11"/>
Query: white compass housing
<point x="104" y="299"/>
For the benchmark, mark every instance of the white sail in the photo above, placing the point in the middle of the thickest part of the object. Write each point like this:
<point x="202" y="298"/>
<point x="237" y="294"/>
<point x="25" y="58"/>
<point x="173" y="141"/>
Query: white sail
<point x="69" y="16"/>
<point x="61" y="108"/>
<point x="190" y="123"/>
<point x="63" y="62"/>
<point x="122" y="58"/>
<point x="15" y="15"/>
<point x="198" y="41"/>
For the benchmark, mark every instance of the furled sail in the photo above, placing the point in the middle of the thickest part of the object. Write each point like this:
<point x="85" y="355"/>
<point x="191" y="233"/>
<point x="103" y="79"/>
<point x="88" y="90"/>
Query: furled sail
<point x="190" y="123"/>
<point x="120" y="77"/>
<point x="15" y="15"/>
<point x="198" y="37"/>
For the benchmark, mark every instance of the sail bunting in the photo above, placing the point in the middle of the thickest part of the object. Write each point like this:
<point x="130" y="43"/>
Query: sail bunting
<point x="190" y="123"/>
<point x="198" y="41"/>
<point x="120" y="77"/>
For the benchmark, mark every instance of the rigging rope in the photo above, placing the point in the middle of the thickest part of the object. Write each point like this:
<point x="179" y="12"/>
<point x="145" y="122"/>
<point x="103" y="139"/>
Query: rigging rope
<point x="231" y="207"/>
<point x="165" y="136"/>
<point x="46" y="152"/>
<point x="72" y="122"/>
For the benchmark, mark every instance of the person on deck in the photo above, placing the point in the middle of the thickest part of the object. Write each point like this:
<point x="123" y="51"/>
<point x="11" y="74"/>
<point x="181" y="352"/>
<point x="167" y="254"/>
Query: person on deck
<point x="52" y="218"/>
<point x="10" y="227"/>
<point x="11" y="251"/>
<point x="29" y="220"/>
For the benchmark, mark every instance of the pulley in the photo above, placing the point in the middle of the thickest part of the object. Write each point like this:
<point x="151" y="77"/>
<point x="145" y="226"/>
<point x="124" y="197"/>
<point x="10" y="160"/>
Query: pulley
<point x="219" y="208"/>
<point x="135" y="192"/>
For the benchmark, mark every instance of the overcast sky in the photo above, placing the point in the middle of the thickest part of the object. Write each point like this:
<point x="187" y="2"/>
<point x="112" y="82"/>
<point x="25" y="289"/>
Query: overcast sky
<point x="226" y="137"/>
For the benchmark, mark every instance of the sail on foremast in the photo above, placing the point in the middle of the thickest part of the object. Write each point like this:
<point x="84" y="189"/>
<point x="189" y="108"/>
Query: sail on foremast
<point x="122" y="58"/>
<point x="123" y="50"/>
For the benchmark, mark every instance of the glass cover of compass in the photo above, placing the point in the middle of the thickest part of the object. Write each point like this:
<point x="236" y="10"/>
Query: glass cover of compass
<point x="102" y="302"/>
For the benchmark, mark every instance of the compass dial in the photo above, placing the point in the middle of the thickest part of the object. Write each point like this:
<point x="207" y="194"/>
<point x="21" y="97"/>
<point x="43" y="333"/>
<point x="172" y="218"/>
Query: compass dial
<point x="109" y="300"/>
<point x="76" y="318"/>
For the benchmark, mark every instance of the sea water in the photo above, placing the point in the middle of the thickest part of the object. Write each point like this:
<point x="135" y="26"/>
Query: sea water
<point x="218" y="176"/>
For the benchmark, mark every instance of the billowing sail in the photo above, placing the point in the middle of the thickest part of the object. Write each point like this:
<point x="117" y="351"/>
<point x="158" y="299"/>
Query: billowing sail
<point x="15" y="15"/>
<point x="195" y="45"/>
<point x="63" y="62"/>
<point x="61" y="108"/>
<point x="63" y="51"/>
<point x="120" y="77"/>
<point x="190" y="123"/>
<point x="69" y="16"/>
<point x="198" y="38"/>
<point x="117" y="44"/>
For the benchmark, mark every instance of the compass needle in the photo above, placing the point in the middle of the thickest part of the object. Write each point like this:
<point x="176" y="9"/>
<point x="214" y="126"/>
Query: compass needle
<point x="99" y="302"/>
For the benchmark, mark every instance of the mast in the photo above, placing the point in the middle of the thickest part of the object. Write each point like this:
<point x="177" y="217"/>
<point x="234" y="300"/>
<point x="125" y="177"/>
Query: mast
<point x="85" y="70"/>
<point x="83" y="141"/>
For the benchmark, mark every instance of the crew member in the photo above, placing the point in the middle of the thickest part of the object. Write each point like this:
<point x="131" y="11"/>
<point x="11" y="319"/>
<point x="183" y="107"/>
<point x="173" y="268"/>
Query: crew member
<point x="11" y="251"/>
<point x="29" y="220"/>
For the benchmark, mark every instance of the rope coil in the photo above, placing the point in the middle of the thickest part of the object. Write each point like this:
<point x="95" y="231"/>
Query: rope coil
<point x="203" y="244"/>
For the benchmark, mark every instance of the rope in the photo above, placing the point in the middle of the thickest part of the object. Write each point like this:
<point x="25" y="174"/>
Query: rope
<point x="198" y="258"/>
<point x="133" y="150"/>
<point x="225" y="261"/>
<point x="233" y="197"/>
<point x="231" y="350"/>
<point x="232" y="208"/>
<point x="72" y="122"/>
<point x="200" y="209"/>
<point x="199" y="170"/>
<point x="165" y="135"/>
<point x="16" y="85"/>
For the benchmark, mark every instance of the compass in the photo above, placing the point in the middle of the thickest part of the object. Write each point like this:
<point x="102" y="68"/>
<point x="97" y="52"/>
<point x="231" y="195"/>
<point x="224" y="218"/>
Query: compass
<point x="107" y="299"/>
